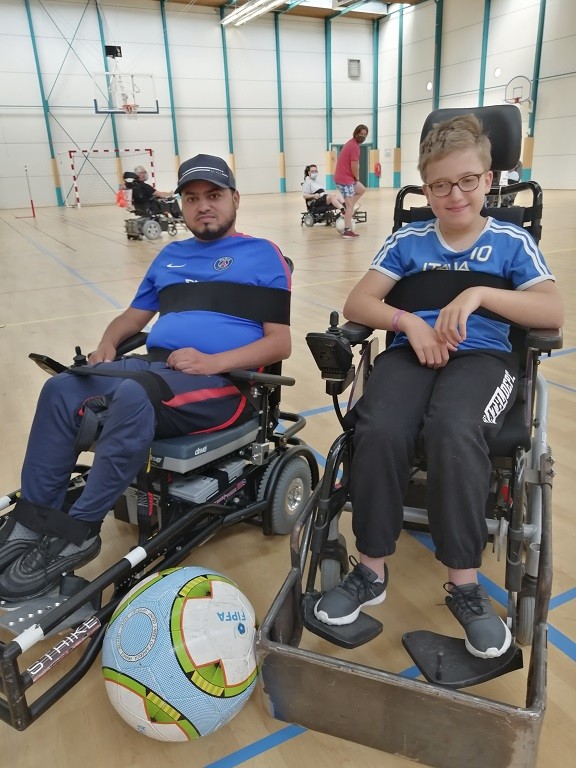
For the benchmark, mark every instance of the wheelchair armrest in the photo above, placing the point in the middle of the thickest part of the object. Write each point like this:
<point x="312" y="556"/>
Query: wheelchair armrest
<point x="131" y="343"/>
<point x="270" y="380"/>
<point x="355" y="332"/>
<point x="545" y="339"/>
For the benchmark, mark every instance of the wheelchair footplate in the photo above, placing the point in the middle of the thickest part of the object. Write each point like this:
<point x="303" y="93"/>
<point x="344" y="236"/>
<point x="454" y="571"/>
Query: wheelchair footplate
<point x="444" y="660"/>
<point x="361" y="631"/>
<point x="20" y="616"/>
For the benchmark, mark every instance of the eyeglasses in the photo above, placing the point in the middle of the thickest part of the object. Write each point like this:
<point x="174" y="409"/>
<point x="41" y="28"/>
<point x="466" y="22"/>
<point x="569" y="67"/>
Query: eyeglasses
<point x="444" y="187"/>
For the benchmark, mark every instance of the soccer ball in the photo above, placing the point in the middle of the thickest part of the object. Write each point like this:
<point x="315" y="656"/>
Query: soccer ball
<point x="178" y="656"/>
<point x="340" y="224"/>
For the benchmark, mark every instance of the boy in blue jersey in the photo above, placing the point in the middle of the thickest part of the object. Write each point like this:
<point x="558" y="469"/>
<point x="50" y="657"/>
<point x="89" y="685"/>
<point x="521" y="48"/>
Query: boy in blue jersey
<point x="448" y="379"/>
<point x="208" y="292"/>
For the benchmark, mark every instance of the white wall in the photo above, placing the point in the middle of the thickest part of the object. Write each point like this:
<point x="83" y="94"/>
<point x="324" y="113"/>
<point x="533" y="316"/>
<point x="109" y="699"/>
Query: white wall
<point x="69" y="52"/>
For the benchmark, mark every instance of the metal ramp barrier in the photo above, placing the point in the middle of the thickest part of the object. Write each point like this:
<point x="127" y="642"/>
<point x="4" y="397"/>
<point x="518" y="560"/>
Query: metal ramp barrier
<point x="434" y="725"/>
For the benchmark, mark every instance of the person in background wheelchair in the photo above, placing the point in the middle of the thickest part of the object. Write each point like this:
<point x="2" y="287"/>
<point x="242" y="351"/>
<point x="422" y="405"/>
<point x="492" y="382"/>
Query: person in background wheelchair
<point x="318" y="201"/>
<point x="204" y="289"/>
<point x="443" y="385"/>
<point x="149" y="200"/>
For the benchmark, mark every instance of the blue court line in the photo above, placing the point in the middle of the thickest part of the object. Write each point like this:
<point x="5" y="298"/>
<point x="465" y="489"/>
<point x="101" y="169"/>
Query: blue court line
<point x="258" y="747"/>
<point x="564" y="597"/>
<point x="280" y="737"/>
<point x="563" y="643"/>
<point x="561" y="386"/>
<point x="72" y="271"/>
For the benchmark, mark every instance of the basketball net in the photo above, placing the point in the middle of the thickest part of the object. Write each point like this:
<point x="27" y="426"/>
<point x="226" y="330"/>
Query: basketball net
<point x="131" y="110"/>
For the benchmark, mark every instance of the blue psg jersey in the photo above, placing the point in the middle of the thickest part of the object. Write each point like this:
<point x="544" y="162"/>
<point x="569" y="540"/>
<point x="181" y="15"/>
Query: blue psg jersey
<point x="502" y="249"/>
<point x="234" y="259"/>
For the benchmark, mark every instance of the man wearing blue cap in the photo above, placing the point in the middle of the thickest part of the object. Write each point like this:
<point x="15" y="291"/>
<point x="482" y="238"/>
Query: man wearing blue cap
<point x="213" y="317"/>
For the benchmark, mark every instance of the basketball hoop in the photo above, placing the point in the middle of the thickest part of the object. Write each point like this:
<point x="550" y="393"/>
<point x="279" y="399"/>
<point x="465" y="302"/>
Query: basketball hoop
<point x="131" y="110"/>
<point x="518" y="90"/>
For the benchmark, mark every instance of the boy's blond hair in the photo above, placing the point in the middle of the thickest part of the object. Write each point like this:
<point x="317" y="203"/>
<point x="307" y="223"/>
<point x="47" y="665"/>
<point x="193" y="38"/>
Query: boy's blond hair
<point x="461" y="132"/>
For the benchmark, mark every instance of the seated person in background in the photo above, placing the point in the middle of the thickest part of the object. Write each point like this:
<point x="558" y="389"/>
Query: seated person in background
<point x="190" y="349"/>
<point x="317" y="199"/>
<point x="446" y="382"/>
<point x="147" y="198"/>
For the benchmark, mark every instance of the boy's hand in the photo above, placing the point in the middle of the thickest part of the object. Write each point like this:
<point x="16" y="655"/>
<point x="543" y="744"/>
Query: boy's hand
<point x="190" y="360"/>
<point x="429" y="349"/>
<point x="450" y="327"/>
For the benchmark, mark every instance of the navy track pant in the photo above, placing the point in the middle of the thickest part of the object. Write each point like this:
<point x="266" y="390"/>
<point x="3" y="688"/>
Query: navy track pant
<point x="200" y="404"/>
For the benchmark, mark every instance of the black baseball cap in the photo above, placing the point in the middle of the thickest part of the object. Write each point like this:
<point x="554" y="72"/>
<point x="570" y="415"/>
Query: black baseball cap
<point x="205" y="168"/>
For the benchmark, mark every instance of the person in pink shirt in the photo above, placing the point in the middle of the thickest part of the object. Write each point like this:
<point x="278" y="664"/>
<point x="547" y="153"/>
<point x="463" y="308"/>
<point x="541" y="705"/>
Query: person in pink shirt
<point x="347" y="174"/>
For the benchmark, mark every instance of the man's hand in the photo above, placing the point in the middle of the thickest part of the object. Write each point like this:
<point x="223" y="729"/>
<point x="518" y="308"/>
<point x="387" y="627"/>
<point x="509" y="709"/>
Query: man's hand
<point x="424" y="341"/>
<point x="190" y="360"/>
<point x="103" y="354"/>
<point x="450" y="327"/>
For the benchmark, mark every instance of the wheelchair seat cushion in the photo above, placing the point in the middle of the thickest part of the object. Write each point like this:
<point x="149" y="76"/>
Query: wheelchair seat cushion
<point x="183" y="454"/>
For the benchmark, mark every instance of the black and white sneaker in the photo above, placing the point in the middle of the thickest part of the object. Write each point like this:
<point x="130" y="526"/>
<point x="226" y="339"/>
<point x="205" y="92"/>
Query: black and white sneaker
<point x="42" y="565"/>
<point x="15" y="539"/>
<point x="487" y="636"/>
<point x="343" y="604"/>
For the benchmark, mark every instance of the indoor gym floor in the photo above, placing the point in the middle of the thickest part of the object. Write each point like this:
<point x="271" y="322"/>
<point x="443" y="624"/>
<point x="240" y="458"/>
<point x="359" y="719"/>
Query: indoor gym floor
<point x="65" y="274"/>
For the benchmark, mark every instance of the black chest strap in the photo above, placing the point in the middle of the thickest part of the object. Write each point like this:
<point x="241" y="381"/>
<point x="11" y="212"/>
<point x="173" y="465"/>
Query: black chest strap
<point x="252" y="302"/>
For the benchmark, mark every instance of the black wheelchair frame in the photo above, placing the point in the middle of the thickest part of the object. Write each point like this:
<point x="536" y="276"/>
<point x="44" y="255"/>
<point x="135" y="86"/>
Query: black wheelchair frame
<point x="329" y="216"/>
<point x="258" y="472"/>
<point x="151" y="225"/>
<point x="413" y="716"/>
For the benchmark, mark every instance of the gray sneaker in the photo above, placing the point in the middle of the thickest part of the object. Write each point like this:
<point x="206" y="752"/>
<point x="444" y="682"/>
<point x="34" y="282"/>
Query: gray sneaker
<point x="486" y="634"/>
<point x="343" y="604"/>
<point x="15" y="539"/>
<point x="42" y="565"/>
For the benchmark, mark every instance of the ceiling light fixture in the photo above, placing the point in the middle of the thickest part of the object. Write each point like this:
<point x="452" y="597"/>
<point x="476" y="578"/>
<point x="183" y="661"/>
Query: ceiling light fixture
<point x="250" y="10"/>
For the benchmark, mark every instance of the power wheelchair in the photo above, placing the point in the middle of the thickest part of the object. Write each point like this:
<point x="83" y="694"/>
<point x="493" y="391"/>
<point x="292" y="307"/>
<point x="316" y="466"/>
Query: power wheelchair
<point x="150" y="221"/>
<point x="329" y="216"/>
<point x="412" y="717"/>
<point x="258" y="472"/>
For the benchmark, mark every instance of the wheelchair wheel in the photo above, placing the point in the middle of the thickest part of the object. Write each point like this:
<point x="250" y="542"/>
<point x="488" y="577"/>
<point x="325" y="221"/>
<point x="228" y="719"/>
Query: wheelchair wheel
<point x="333" y="571"/>
<point x="308" y="220"/>
<point x="525" y="619"/>
<point x="172" y="230"/>
<point x="290" y="496"/>
<point x="151" y="229"/>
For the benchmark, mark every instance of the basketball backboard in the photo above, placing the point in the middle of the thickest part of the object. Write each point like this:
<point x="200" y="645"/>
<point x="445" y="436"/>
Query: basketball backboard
<point x="129" y="93"/>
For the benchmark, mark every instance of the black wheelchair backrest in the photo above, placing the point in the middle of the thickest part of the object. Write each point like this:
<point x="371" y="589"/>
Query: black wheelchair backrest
<point x="503" y="125"/>
<point x="501" y="122"/>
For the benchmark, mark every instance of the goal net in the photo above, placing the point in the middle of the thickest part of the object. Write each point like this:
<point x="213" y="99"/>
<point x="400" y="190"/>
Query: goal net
<point x="93" y="176"/>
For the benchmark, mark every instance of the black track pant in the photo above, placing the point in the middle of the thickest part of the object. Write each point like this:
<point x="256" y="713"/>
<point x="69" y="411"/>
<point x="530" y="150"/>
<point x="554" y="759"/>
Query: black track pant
<point x="452" y="413"/>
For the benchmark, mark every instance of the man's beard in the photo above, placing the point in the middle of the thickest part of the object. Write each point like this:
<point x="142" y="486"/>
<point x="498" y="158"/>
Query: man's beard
<point x="212" y="234"/>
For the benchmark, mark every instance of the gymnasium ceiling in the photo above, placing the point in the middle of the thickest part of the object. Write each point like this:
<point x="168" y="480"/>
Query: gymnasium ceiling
<point x="320" y="9"/>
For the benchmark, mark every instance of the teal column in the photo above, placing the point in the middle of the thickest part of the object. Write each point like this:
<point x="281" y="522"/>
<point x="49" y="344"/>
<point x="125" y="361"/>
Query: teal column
<point x="328" y="67"/>
<point x="46" y="110"/>
<point x="112" y="116"/>
<point x="281" y="161"/>
<point x="397" y="160"/>
<point x="437" y="53"/>
<point x="484" y="53"/>
<point x="227" y="90"/>
<point x="529" y="141"/>
<point x="373" y="180"/>
<point x="170" y="89"/>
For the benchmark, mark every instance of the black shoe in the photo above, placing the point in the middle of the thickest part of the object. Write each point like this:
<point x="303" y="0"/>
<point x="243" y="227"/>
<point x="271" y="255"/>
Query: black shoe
<point x="42" y="565"/>
<point x="15" y="539"/>
<point x="342" y="604"/>
<point x="487" y="637"/>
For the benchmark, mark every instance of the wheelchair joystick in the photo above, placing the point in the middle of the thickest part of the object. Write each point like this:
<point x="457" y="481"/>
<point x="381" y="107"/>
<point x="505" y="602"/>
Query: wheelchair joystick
<point x="79" y="358"/>
<point x="333" y="328"/>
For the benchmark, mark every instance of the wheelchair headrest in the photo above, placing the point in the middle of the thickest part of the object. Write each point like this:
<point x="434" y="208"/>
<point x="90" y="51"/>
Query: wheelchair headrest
<point x="129" y="178"/>
<point x="501" y="122"/>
